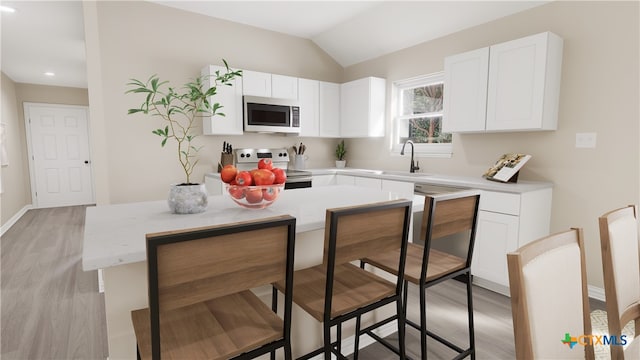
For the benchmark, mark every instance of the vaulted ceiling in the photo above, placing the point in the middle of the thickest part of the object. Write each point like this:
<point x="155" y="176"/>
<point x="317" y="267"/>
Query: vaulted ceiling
<point x="47" y="36"/>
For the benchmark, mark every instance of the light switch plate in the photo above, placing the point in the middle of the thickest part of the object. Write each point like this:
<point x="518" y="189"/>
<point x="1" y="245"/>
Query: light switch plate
<point x="586" y="140"/>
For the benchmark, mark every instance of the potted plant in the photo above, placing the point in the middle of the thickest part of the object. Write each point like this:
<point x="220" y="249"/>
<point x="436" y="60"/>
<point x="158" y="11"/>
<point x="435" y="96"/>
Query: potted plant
<point x="341" y="151"/>
<point x="181" y="111"/>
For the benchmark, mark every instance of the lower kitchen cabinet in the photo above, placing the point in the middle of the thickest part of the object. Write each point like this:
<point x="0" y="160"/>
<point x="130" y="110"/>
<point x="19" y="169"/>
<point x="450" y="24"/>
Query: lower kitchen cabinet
<point x="506" y="222"/>
<point x="497" y="235"/>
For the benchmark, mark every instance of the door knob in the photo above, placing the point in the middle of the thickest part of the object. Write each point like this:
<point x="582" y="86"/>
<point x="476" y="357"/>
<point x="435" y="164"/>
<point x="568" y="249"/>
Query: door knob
<point x="86" y="161"/>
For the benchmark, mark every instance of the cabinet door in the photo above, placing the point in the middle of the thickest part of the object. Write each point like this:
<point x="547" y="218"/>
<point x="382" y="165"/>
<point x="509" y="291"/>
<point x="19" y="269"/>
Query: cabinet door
<point x="309" y="92"/>
<point x="368" y="182"/>
<point x="284" y="87"/>
<point x="230" y="97"/>
<point x="465" y="91"/>
<point x="256" y="83"/>
<point x="362" y="105"/>
<point x="518" y="71"/>
<point x="497" y="235"/>
<point x="329" y="109"/>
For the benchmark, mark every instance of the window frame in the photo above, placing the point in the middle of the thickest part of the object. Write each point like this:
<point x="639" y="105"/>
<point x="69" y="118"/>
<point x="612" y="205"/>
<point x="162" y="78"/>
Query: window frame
<point x="424" y="150"/>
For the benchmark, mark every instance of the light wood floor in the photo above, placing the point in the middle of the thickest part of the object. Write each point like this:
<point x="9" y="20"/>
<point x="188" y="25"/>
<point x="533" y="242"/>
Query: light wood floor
<point x="51" y="308"/>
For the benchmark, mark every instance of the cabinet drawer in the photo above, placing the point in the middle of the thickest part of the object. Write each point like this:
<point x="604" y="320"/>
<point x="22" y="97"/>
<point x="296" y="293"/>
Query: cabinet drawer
<point x="499" y="202"/>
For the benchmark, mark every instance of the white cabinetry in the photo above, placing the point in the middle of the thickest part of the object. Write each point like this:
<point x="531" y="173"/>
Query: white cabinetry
<point x="309" y="96"/>
<point x="284" y="87"/>
<point x="505" y="223"/>
<point x="519" y="80"/>
<point x="362" y="107"/>
<point x="465" y="91"/>
<point x="256" y="83"/>
<point x="329" y="117"/>
<point x="230" y="97"/>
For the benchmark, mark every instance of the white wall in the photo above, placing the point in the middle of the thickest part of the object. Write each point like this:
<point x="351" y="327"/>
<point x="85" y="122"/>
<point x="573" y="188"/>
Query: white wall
<point x="137" y="39"/>
<point x="599" y="93"/>
<point x="15" y="177"/>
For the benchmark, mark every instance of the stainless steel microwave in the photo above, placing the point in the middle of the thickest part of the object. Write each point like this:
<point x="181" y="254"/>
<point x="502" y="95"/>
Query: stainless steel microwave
<point x="271" y="115"/>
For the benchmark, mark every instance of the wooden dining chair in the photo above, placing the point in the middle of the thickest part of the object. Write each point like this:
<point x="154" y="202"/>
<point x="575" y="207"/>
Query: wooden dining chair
<point x="621" y="268"/>
<point x="549" y="298"/>
<point x="200" y="305"/>
<point x="337" y="290"/>
<point x="449" y="217"/>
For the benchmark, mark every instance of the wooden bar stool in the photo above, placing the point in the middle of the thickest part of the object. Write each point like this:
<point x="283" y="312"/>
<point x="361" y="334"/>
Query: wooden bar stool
<point x="621" y="268"/>
<point x="445" y="215"/>
<point x="549" y="298"/>
<point x="200" y="305"/>
<point x="337" y="290"/>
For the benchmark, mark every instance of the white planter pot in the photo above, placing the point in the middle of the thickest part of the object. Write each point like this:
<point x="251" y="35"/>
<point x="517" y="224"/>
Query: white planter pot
<point x="341" y="163"/>
<point x="187" y="199"/>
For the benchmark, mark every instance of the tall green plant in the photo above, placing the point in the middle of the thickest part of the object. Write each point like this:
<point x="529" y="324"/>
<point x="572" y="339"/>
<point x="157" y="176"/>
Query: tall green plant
<point x="179" y="110"/>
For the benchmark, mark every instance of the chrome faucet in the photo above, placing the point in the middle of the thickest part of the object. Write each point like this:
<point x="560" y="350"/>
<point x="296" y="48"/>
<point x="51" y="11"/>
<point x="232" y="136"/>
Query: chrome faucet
<point x="415" y="166"/>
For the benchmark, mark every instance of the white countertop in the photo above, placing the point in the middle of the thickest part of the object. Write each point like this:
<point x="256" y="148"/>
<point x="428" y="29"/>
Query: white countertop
<point x="465" y="182"/>
<point x="115" y="234"/>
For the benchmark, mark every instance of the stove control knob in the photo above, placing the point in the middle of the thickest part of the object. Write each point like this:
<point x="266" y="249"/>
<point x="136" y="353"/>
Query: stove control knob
<point x="248" y="155"/>
<point x="241" y="155"/>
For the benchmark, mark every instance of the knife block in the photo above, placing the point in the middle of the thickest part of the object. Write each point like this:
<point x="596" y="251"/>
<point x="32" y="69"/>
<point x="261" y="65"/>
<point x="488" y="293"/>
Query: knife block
<point x="225" y="159"/>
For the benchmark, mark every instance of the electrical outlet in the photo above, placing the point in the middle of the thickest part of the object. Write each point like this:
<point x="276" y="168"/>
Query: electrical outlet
<point x="586" y="140"/>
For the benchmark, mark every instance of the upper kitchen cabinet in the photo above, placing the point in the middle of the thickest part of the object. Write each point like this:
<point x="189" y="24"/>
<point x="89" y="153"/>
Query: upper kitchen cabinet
<point x="329" y="109"/>
<point x="309" y="96"/>
<point x="465" y="91"/>
<point x="284" y="87"/>
<point x="257" y="83"/>
<point x="319" y="108"/>
<point x="362" y="106"/>
<point x="521" y="89"/>
<point x="230" y="97"/>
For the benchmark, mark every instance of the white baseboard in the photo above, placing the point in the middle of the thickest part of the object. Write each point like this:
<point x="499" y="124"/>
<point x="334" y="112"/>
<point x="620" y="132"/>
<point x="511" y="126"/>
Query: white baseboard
<point x="14" y="219"/>
<point x="596" y="293"/>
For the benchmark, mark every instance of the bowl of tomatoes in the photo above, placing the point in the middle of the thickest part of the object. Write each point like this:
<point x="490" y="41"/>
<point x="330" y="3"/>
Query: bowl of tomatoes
<point x="254" y="189"/>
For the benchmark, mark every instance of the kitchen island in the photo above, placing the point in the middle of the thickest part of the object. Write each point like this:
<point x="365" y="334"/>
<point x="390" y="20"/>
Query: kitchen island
<point x="114" y="241"/>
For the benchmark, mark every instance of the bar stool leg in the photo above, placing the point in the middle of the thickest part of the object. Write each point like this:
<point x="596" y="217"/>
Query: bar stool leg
<point x="472" y="345"/>
<point x="423" y="322"/>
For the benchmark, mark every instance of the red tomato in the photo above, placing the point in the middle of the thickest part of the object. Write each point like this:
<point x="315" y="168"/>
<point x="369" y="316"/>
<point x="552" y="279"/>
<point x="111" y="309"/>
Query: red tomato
<point x="270" y="194"/>
<point x="253" y="195"/>
<point x="263" y="177"/>
<point x="281" y="176"/>
<point x="265" y="164"/>
<point x="228" y="173"/>
<point x="244" y="178"/>
<point x="236" y="192"/>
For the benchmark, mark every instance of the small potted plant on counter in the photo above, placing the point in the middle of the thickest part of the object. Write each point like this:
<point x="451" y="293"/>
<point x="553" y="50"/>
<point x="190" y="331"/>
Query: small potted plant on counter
<point x="181" y="111"/>
<point x="341" y="151"/>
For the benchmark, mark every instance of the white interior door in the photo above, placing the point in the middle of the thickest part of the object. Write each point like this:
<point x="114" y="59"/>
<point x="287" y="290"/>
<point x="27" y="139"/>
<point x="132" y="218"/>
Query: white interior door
<point x="59" y="155"/>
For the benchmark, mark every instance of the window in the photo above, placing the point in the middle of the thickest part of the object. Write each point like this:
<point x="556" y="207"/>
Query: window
<point x="418" y="115"/>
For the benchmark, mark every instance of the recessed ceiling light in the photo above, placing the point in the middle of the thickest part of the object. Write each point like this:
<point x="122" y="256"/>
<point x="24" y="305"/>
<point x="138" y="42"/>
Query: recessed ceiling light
<point x="7" y="9"/>
<point x="49" y="73"/>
